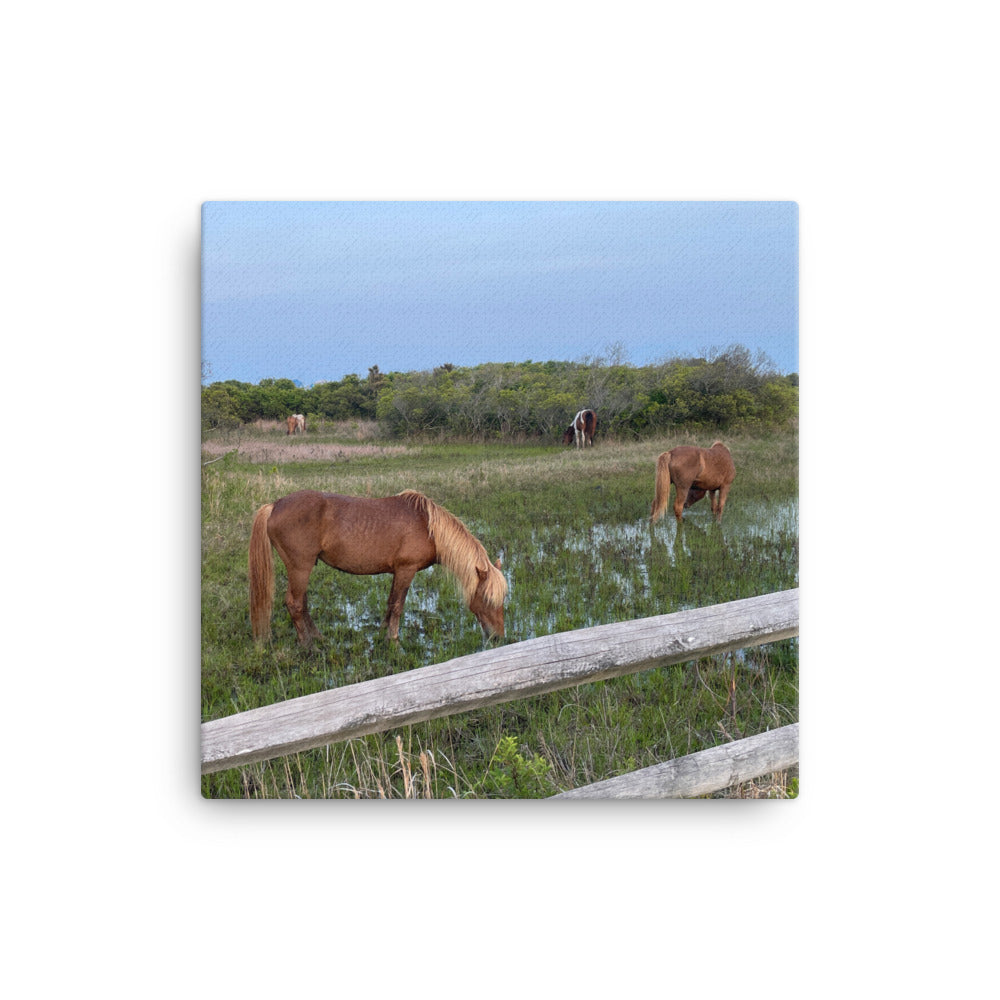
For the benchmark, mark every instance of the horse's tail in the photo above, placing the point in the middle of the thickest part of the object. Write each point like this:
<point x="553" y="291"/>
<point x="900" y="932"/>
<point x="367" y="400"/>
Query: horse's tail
<point x="261" y="566"/>
<point x="662" y="494"/>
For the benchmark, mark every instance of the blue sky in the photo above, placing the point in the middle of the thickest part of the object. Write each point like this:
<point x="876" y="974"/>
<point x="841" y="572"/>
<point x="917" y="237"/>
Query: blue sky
<point x="315" y="291"/>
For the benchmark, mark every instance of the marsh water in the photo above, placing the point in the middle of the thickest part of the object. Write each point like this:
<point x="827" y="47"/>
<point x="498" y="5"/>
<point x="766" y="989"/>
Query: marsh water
<point x="609" y="572"/>
<point x="564" y="577"/>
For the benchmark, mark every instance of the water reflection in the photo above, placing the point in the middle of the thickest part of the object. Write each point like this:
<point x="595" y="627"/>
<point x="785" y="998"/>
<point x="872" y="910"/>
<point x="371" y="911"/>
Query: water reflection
<point x="609" y="572"/>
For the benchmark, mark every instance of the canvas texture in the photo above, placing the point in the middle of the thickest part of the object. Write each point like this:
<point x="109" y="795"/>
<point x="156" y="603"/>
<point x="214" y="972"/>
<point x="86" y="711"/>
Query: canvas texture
<point x="500" y="500"/>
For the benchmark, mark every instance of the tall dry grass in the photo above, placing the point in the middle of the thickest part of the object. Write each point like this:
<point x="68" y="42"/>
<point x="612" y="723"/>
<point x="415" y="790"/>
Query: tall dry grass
<point x="298" y="449"/>
<point x="368" y="768"/>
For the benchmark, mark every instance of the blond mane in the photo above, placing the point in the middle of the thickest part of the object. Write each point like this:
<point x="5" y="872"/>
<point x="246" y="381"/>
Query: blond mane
<point x="459" y="551"/>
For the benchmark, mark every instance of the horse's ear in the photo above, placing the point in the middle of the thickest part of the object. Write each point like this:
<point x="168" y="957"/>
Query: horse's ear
<point x="482" y="573"/>
<point x="497" y="562"/>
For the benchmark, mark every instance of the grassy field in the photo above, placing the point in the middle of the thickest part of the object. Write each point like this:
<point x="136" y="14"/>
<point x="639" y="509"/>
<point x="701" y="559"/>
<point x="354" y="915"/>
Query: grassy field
<point x="572" y="529"/>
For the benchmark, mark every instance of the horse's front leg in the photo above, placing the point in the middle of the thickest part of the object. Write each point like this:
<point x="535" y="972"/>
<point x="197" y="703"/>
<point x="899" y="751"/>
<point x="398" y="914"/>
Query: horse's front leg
<point x="401" y="581"/>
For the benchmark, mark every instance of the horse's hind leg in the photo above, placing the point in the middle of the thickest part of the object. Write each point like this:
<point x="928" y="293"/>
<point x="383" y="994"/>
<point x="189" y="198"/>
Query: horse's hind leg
<point x="680" y="498"/>
<point x="295" y="601"/>
<point x="311" y="629"/>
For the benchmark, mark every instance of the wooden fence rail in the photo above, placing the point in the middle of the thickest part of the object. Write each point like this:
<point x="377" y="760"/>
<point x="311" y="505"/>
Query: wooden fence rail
<point x="703" y="772"/>
<point x="520" y="670"/>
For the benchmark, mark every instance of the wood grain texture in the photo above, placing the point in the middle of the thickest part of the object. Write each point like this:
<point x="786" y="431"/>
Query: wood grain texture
<point x="506" y="673"/>
<point x="703" y="772"/>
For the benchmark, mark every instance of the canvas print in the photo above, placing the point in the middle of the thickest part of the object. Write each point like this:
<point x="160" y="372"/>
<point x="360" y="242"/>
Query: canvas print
<point x="499" y="500"/>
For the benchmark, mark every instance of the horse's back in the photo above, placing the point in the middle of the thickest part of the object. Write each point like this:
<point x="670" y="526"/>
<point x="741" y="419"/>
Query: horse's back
<point x="701" y="465"/>
<point x="684" y="457"/>
<point x="722" y="461"/>
<point x="361" y="535"/>
<point x="302" y="507"/>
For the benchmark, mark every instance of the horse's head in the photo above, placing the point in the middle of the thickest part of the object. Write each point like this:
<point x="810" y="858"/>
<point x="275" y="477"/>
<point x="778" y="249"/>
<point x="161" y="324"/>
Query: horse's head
<point x="693" y="497"/>
<point x="568" y="436"/>
<point x="487" y="601"/>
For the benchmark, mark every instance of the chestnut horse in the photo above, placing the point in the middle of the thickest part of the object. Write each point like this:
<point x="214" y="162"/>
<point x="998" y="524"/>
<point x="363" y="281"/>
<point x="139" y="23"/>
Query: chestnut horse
<point x="582" y="429"/>
<point x="693" y="472"/>
<point x="296" y="422"/>
<point x="400" y="535"/>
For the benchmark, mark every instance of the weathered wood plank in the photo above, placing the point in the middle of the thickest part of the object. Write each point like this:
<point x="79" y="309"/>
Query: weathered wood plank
<point x="520" y="670"/>
<point x="701" y="773"/>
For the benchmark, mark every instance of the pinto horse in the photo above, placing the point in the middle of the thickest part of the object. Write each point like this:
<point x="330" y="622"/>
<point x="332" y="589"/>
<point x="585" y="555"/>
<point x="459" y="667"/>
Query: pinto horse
<point x="693" y="472"/>
<point x="582" y="429"/>
<point x="296" y="422"/>
<point x="400" y="535"/>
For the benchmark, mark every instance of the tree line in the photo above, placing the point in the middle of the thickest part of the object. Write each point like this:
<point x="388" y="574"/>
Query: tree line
<point x="527" y="399"/>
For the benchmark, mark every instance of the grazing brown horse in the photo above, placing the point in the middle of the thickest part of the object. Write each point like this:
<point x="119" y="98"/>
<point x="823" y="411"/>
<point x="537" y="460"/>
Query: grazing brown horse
<point x="582" y="429"/>
<point x="400" y="535"/>
<point x="693" y="472"/>
<point x="296" y="422"/>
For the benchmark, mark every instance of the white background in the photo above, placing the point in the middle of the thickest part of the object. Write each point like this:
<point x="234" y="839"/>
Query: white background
<point x="120" y="119"/>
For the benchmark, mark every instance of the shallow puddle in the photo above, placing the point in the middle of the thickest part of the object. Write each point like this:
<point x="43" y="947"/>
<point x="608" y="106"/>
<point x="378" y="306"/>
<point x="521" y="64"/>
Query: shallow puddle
<point x="611" y="572"/>
<point x="564" y="578"/>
